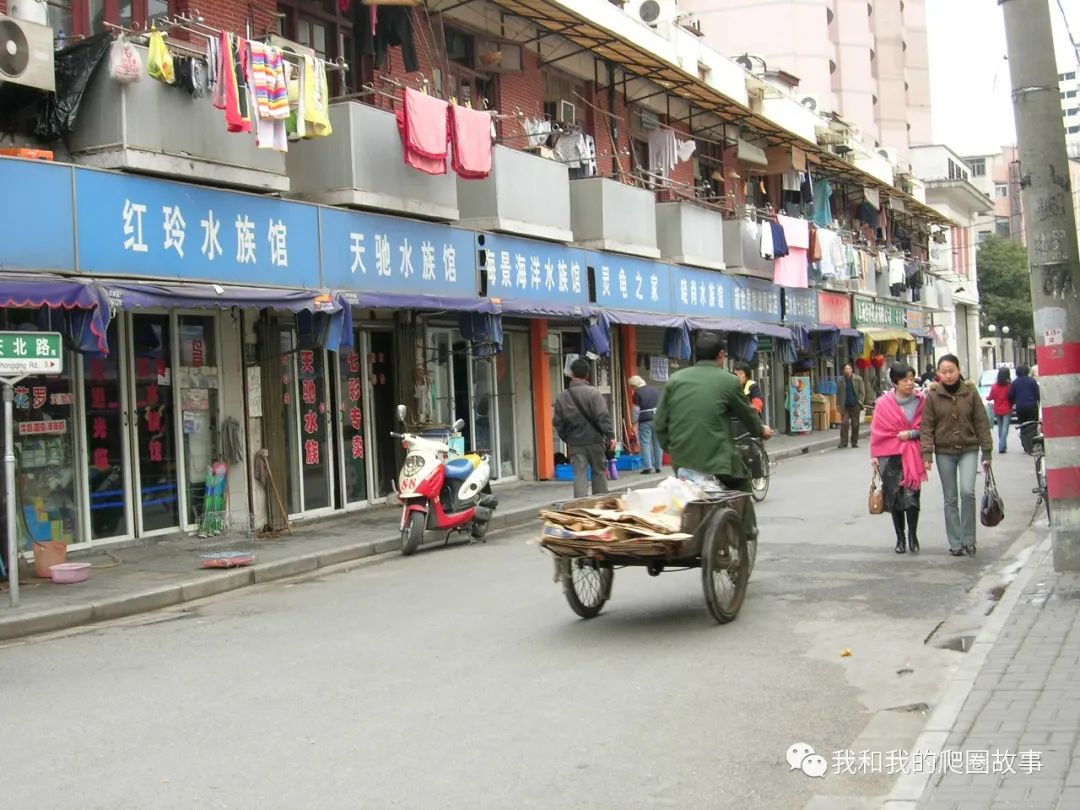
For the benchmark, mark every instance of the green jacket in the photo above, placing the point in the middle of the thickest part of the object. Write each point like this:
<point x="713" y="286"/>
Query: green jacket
<point x="693" y="420"/>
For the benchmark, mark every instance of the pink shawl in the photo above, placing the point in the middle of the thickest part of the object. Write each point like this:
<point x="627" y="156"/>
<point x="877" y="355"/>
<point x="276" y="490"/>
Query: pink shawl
<point x="889" y="420"/>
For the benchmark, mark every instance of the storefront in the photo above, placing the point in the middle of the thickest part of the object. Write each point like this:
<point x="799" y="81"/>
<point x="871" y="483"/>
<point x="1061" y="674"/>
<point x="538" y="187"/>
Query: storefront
<point x="919" y="322"/>
<point x="884" y="325"/>
<point x="834" y="310"/>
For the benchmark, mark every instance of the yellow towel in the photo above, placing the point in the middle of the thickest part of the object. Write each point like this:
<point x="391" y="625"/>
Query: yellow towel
<point x="316" y="98"/>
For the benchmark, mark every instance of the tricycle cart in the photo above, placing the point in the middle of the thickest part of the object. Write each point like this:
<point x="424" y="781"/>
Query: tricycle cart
<point x="716" y="544"/>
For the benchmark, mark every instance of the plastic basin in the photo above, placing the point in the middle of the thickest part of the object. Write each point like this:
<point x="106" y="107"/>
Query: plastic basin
<point x="67" y="573"/>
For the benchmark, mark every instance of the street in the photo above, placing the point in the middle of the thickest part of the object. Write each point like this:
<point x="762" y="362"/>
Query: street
<point x="460" y="678"/>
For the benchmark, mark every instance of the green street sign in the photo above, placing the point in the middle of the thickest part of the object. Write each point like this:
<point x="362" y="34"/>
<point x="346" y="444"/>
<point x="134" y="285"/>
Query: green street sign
<point x="24" y="353"/>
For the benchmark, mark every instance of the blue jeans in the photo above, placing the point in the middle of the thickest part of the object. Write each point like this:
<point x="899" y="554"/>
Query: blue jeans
<point x="1003" y="431"/>
<point x="651" y="454"/>
<point x="958" y="486"/>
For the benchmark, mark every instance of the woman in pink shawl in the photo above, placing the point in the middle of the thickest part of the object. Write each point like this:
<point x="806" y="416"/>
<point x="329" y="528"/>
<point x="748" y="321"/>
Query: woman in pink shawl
<point x="896" y="455"/>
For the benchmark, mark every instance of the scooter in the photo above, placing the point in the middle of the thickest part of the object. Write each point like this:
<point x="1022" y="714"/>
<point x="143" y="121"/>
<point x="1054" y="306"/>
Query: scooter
<point x="440" y="490"/>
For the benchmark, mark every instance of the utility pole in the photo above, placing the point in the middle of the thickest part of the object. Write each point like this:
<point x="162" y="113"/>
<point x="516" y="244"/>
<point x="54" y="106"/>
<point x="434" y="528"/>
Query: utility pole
<point x="1054" y="259"/>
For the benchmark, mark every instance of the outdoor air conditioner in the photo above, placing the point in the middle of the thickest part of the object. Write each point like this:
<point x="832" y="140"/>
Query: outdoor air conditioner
<point x="26" y="54"/>
<point x="890" y="155"/>
<point x="812" y="103"/>
<point x="288" y="45"/>
<point x="35" y="11"/>
<point x="652" y="12"/>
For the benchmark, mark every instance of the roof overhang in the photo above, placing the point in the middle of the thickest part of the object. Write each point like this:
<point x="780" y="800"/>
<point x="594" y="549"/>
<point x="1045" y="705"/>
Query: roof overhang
<point x="577" y="25"/>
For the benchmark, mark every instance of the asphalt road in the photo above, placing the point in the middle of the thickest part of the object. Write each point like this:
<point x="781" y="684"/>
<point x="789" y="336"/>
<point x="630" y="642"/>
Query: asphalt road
<point x="459" y="678"/>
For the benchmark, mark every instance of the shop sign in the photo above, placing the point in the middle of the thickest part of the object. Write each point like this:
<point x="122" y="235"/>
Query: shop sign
<point x="24" y="353"/>
<point x="625" y="282"/>
<point x="381" y="254"/>
<point x="530" y="270"/>
<point x="139" y="226"/>
<point x="701" y="292"/>
<point x="918" y="319"/>
<point x="756" y="300"/>
<point x="51" y="427"/>
<point x="872" y="312"/>
<point x="834" y="309"/>
<point x="37" y="216"/>
<point x="800" y="306"/>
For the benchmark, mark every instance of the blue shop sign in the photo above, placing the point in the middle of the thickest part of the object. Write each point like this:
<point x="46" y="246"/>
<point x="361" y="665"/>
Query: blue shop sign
<point x="701" y="292"/>
<point x="382" y="254"/>
<point x="800" y="306"/>
<point x="530" y="270"/>
<point x="156" y="228"/>
<point x="626" y="282"/>
<point x="36" y="216"/>
<point x="756" y="300"/>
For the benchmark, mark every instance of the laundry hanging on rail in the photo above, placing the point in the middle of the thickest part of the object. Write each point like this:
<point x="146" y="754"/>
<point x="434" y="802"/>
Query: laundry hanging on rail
<point x="423" y="124"/>
<point x="470" y="134"/>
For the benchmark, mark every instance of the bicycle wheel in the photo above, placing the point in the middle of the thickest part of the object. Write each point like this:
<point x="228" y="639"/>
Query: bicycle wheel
<point x="587" y="585"/>
<point x="725" y="565"/>
<point x="759" y="487"/>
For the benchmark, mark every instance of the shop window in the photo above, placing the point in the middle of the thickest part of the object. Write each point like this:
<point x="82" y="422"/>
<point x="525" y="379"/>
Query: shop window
<point x="43" y="428"/>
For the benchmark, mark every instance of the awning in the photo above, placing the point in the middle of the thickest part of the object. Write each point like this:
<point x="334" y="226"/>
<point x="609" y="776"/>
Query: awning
<point x="69" y="306"/>
<point x="882" y="334"/>
<point x="538" y="309"/>
<point x="629" y="316"/>
<point x="743" y="327"/>
<point x="418" y="301"/>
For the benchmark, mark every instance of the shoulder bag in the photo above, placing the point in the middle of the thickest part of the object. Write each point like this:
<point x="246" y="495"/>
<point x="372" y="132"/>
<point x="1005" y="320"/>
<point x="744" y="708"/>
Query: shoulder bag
<point x="993" y="508"/>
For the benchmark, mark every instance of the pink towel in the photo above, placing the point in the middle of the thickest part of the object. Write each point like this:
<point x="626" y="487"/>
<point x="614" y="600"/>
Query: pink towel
<point x="422" y="122"/>
<point x="791" y="270"/>
<point x="470" y="132"/>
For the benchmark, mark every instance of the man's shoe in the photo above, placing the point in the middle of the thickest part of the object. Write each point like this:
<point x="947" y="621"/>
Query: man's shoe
<point x="841" y="446"/>
<point x="913" y="544"/>
<point x="646" y="472"/>
<point x="956" y="552"/>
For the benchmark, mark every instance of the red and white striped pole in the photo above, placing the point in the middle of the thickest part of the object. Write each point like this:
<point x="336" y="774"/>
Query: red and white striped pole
<point x="1050" y="227"/>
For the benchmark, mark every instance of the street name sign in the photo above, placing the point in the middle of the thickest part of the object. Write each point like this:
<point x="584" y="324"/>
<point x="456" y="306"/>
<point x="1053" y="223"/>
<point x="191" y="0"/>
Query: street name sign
<point x="24" y="353"/>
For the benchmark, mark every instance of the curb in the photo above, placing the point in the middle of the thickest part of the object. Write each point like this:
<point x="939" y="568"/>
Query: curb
<point x="201" y="587"/>
<point x="909" y="788"/>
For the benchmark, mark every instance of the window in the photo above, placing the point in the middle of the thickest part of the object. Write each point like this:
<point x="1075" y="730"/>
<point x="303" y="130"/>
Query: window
<point x="1001" y="190"/>
<point x="1070" y="94"/>
<point x="977" y="166"/>
<point x="1073" y="130"/>
<point x="85" y="17"/>
<point x="984" y="235"/>
<point x="1068" y="77"/>
<point x="956" y="172"/>
<point x="1001" y="228"/>
<point x="323" y="27"/>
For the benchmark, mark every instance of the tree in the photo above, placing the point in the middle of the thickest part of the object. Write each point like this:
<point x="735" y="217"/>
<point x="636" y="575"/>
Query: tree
<point x="1004" y="291"/>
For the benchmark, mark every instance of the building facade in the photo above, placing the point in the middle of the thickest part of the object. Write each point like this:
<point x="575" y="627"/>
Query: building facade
<point x="1069" y="83"/>
<point x="266" y="309"/>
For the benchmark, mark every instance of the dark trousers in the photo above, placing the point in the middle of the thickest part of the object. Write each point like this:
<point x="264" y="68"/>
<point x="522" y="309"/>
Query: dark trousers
<point x="582" y="458"/>
<point x="849" y="421"/>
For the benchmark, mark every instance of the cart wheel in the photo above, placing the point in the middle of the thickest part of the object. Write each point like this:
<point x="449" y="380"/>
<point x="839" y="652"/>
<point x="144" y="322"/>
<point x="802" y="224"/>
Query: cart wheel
<point x="587" y="585"/>
<point x="759" y="487"/>
<point x="725" y="565"/>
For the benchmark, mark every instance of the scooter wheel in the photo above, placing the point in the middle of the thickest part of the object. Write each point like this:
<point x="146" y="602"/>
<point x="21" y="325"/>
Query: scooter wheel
<point x="413" y="533"/>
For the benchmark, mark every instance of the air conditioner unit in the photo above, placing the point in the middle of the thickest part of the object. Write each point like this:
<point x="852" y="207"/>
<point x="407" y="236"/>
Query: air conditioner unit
<point x="652" y="12"/>
<point x="26" y="54"/>
<point x="288" y="45"/>
<point x="812" y="103"/>
<point x="889" y="154"/>
<point x="35" y="11"/>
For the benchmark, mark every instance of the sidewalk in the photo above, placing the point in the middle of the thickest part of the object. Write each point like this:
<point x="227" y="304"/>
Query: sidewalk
<point x="134" y="579"/>
<point x="1021" y="704"/>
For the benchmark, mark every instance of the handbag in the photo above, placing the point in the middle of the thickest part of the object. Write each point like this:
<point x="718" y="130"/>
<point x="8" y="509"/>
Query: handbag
<point x="993" y="508"/>
<point x="609" y="454"/>
<point x="877" y="496"/>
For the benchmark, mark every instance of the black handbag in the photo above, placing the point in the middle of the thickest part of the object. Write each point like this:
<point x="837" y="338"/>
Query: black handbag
<point x="993" y="508"/>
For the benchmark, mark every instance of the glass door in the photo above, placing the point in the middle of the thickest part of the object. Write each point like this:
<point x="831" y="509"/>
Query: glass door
<point x="153" y="425"/>
<point x="305" y="387"/>
<point x="352" y="424"/>
<point x="198" y="385"/>
<point x="505" y="464"/>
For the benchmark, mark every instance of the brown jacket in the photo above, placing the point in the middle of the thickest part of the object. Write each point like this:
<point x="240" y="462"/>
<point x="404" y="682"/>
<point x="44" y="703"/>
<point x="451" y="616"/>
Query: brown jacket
<point x="954" y="424"/>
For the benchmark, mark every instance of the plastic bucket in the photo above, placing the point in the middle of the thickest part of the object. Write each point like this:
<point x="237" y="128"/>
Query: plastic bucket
<point x="46" y="555"/>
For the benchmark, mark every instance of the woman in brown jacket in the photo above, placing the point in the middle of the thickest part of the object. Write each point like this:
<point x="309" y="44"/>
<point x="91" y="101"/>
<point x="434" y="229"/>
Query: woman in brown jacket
<point x="955" y="427"/>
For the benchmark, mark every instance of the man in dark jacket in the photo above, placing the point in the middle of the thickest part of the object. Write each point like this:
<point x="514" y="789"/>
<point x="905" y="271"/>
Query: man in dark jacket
<point x="1024" y="396"/>
<point x="850" y="401"/>
<point x="583" y="422"/>
<point x="645" y="400"/>
<point x="693" y="421"/>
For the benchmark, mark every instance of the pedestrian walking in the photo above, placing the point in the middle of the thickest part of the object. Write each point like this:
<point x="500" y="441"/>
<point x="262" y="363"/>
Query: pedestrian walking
<point x="582" y="421"/>
<point x="955" y="428"/>
<point x="751" y="390"/>
<point x="851" y="396"/>
<point x="1024" y="395"/>
<point x="999" y="396"/>
<point x="646" y="398"/>
<point x="895" y="453"/>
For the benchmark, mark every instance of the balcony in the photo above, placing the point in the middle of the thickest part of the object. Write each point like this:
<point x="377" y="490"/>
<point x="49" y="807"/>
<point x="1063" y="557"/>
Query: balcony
<point x="524" y="194"/>
<point x="151" y="128"/>
<point x="608" y="215"/>
<point x="742" y="249"/>
<point x="690" y="234"/>
<point x="361" y="165"/>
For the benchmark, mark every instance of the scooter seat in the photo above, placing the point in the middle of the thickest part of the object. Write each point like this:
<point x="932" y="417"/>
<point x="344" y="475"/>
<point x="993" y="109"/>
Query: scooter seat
<point x="459" y="469"/>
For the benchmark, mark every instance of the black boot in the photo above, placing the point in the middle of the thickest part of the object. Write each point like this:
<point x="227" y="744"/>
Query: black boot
<point x="913" y="529"/>
<point x="898" y="524"/>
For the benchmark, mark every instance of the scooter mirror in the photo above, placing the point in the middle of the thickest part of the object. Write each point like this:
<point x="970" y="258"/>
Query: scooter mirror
<point x="458" y="425"/>
<point x="402" y="412"/>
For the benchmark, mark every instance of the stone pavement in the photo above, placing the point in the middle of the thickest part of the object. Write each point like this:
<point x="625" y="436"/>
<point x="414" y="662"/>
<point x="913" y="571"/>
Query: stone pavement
<point x="1023" y="707"/>
<point x="155" y="574"/>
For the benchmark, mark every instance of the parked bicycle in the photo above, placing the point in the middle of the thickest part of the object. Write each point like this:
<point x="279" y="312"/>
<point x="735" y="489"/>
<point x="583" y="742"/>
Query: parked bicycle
<point x="756" y="459"/>
<point x="1031" y="436"/>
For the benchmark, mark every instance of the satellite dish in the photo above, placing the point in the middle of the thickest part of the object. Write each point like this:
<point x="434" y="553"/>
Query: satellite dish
<point x="649" y="11"/>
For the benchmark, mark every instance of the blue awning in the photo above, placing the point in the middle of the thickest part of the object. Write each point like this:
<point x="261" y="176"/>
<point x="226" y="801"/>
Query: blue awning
<point x="736" y="325"/>
<point x="630" y="316"/>
<point x="418" y="301"/>
<point x="70" y="306"/>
